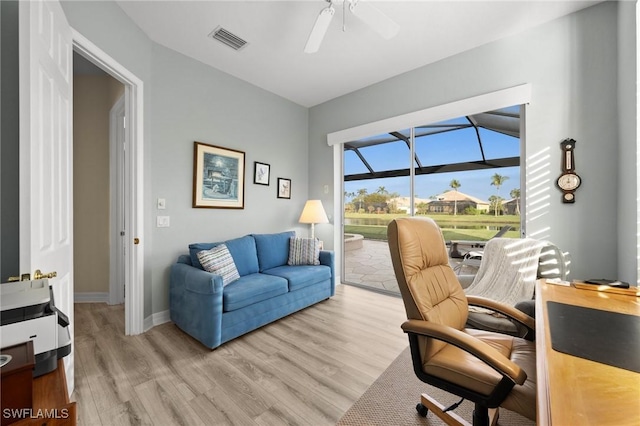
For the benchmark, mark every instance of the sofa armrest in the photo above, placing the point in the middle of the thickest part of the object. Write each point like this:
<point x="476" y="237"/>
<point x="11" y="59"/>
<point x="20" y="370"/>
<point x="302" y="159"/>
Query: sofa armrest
<point x="195" y="279"/>
<point x="195" y="303"/>
<point x="327" y="258"/>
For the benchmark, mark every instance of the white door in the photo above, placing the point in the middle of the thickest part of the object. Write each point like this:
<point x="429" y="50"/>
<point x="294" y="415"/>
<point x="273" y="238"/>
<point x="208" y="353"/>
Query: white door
<point x="46" y="149"/>
<point x="118" y="232"/>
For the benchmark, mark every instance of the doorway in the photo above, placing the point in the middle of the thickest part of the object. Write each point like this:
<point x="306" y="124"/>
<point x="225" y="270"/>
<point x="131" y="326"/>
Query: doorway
<point x="132" y="207"/>
<point x="98" y="170"/>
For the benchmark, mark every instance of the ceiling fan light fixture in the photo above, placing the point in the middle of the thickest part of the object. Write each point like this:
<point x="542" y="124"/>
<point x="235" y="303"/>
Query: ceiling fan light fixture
<point x="319" y="29"/>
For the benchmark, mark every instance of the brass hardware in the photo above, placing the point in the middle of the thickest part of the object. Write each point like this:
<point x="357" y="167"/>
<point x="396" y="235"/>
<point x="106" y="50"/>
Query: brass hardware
<point x="23" y="277"/>
<point x="38" y="275"/>
<point x="136" y="241"/>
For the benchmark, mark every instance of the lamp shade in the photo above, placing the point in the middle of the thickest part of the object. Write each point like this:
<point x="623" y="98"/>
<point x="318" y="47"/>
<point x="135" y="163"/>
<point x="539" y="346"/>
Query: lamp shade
<point x="313" y="212"/>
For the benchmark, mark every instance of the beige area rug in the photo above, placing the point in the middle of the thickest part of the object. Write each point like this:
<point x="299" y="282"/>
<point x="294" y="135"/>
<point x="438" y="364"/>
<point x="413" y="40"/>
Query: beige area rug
<point x="392" y="398"/>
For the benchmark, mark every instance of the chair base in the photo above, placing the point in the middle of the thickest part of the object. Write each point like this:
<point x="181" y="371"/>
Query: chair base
<point x="451" y="418"/>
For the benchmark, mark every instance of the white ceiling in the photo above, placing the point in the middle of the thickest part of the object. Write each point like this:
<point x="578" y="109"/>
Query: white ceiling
<point x="276" y="32"/>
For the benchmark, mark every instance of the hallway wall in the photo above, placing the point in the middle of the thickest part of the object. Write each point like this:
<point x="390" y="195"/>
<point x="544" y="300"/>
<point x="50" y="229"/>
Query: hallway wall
<point x="93" y="98"/>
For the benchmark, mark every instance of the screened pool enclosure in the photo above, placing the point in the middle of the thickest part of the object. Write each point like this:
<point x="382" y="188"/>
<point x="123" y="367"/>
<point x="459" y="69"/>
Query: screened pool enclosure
<point x="463" y="172"/>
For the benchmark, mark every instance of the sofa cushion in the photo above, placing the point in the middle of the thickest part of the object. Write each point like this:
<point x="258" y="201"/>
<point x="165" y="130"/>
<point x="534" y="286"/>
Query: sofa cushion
<point x="218" y="260"/>
<point x="273" y="249"/>
<point x="250" y="289"/>
<point x="301" y="276"/>
<point x="243" y="251"/>
<point x="304" y="251"/>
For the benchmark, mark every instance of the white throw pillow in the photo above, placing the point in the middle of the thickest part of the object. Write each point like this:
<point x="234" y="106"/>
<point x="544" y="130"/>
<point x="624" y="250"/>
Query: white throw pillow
<point x="304" y="251"/>
<point x="219" y="261"/>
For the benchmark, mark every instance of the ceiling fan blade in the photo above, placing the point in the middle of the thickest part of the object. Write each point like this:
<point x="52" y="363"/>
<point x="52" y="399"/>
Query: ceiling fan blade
<point x="319" y="29"/>
<point x="373" y="17"/>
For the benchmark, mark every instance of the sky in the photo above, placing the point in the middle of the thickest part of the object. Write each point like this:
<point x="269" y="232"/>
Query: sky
<point x="477" y="184"/>
<point x="443" y="148"/>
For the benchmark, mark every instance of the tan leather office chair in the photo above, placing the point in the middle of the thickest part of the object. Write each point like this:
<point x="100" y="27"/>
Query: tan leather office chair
<point x="487" y="368"/>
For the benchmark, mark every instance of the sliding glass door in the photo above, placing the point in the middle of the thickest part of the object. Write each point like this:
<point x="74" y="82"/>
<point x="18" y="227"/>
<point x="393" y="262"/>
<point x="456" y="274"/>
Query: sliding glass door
<point x="464" y="173"/>
<point x="372" y="197"/>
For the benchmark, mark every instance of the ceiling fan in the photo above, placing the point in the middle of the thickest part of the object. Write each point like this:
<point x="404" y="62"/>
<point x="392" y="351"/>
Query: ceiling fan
<point x="371" y="16"/>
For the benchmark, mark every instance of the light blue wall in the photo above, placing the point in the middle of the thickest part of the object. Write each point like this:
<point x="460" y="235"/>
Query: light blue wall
<point x="628" y="212"/>
<point x="191" y="102"/>
<point x="187" y="101"/>
<point x="572" y="65"/>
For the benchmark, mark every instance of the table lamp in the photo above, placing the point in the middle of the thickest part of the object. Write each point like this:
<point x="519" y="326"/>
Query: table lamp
<point x="313" y="213"/>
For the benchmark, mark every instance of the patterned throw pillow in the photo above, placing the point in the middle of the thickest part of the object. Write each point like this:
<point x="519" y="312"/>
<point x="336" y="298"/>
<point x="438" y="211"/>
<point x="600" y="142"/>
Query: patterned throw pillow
<point x="304" y="251"/>
<point x="218" y="260"/>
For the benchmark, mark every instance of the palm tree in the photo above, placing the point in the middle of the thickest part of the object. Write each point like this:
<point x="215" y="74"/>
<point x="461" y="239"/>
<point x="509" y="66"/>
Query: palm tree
<point x="455" y="184"/>
<point x="349" y="196"/>
<point x="515" y="194"/>
<point x="381" y="190"/>
<point x="361" y="194"/>
<point x="392" y="200"/>
<point x="497" y="181"/>
<point x="495" y="201"/>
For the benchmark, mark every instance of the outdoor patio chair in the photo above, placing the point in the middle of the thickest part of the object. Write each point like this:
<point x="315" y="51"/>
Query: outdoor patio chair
<point x="473" y="257"/>
<point x="490" y="369"/>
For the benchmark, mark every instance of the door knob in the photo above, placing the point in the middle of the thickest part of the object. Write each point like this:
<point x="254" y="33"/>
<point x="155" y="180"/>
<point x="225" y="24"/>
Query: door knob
<point x="38" y="275"/>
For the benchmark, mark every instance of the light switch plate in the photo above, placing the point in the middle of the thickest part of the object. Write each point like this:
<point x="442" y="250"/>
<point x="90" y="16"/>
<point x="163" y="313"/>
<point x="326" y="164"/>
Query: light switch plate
<point x="162" y="203"/>
<point x="162" y="221"/>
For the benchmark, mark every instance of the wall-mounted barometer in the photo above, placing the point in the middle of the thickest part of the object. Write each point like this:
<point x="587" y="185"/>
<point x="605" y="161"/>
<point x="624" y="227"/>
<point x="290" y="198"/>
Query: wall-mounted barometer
<point x="569" y="180"/>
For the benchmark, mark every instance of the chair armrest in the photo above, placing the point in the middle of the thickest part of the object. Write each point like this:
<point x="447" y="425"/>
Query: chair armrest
<point x="475" y="347"/>
<point x="507" y="310"/>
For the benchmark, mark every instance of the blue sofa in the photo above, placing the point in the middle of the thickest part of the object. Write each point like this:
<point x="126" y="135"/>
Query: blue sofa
<point x="268" y="288"/>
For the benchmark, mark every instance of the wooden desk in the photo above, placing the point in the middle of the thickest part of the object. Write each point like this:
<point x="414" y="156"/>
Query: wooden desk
<point x="51" y="400"/>
<point x="576" y="391"/>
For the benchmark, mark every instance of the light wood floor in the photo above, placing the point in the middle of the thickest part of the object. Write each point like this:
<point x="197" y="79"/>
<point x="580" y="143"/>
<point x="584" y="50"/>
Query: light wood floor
<point x="305" y="369"/>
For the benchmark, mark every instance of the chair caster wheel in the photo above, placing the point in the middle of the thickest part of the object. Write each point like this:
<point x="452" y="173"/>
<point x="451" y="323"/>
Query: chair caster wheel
<point x="422" y="410"/>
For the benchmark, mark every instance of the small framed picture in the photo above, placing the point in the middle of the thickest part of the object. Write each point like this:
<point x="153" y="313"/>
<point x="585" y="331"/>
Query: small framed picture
<point x="261" y="173"/>
<point x="284" y="188"/>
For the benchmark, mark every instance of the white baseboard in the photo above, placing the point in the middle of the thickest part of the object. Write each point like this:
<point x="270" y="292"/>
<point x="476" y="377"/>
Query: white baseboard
<point x="91" y="297"/>
<point x="156" y="319"/>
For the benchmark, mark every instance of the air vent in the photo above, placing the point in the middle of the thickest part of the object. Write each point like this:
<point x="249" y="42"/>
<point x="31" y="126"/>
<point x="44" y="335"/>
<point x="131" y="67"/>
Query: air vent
<point x="228" y="38"/>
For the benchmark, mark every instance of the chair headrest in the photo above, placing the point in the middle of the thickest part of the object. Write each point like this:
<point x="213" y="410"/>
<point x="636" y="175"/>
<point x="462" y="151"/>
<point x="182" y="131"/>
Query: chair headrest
<point x="421" y="243"/>
<point x="429" y="287"/>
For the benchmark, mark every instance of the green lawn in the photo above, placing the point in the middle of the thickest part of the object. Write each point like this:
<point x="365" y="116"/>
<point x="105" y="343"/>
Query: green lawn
<point x="448" y="224"/>
<point x="461" y="218"/>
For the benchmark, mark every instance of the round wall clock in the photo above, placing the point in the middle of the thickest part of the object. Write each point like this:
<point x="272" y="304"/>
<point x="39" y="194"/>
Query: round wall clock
<point x="569" y="180"/>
